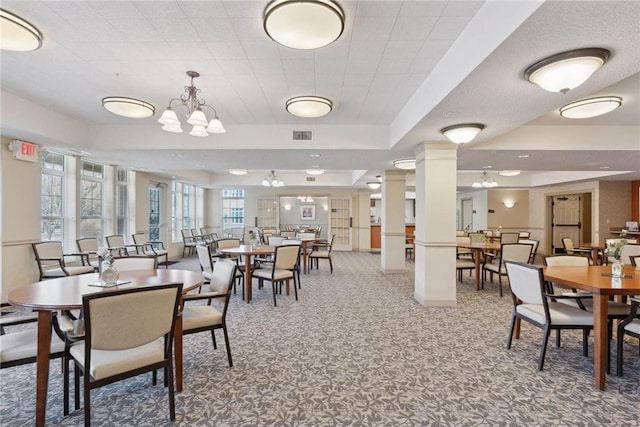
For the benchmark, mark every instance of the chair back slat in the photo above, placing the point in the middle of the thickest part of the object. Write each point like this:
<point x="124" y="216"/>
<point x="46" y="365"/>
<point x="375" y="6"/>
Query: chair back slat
<point x="525" y="281"/>
<point x="130" y="318"/>
<point x="222" y="276"/>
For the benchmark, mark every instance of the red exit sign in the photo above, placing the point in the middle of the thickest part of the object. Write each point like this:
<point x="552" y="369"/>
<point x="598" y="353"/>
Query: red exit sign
<point x="24" y="151"/>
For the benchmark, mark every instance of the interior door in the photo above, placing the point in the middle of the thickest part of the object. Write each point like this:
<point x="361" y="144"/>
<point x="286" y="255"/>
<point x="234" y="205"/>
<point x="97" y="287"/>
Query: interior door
<point x="157" y="227"/>
<point x="340" y="222"/>
<point x="566" y="220"/>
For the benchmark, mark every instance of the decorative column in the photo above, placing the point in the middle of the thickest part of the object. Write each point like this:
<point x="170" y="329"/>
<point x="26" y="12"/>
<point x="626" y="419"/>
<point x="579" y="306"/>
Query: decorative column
<point x="393" y="232"/>
<point x="435" y="257"/>
<point x="364" y="221"/>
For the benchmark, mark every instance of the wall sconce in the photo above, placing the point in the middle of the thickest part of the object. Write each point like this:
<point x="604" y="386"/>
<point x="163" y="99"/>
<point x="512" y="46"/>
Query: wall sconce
<point x="287" y="207"/>
<point x="374" y="185"/>
<point x="509" y="204"/>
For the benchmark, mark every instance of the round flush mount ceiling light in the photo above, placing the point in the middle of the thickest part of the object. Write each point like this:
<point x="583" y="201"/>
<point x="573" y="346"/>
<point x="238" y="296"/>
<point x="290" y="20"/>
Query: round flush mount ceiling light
<point x="128" y="107"/>
<point x="406" y="164"/>
<point x="309" y="106"/>
<point x="17" y="34"/>
<point x="461" y="134"/>
<point x="238" y="171"/>
<point x="374" y="185"/>
<point x="299" y="24"/>
<point x="509" y="173"/>
<point x="591" y="107"/>
<point x="567" y="70"/>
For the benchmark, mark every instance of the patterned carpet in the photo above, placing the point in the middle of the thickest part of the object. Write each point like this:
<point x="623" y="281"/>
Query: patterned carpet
<point x="357" y="350"/>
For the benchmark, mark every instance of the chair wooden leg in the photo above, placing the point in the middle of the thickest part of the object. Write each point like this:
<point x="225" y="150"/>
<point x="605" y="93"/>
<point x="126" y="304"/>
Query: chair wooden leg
<point x="585" y="344"/>
<point x="213" y="339"/>
<point x="558" y="338"/>
<point x="172" y="401"/>
<point x="273" y="286"/>
<point x="330" y="265"/>
<point x="510" y="337"/>
<point x="87" y="401"/>
<point x="619" y="357"/>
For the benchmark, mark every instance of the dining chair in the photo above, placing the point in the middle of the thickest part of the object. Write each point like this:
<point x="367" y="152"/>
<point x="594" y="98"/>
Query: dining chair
<point x="289" y="234"/>
<point x="629" y="326"/>
<point x="9" y="316"/>
<point x="206" y="267"/>
<point x="200" y="318"/>
<point x="519" y="252"/>
<point x="188" y="241"/>
<point x="230" y="243"/>
<point x="135" y="262"/>
<point x="155" y="249"/>
<point x="322" y="251"/>
<point x="282" y="270"/>
<point x="635" y="260"/>
<point x="509" y="237"/>
<point x="477" y="237"/>
<point x="524" y="234"/>
<point x="570" y="249"/>
<point x="127" y="332"/>
<point x="534" y="249"/>
<point x="51" y="261"/>
<point x="628" y="251"/>
<point x="464" y="257"/>
<point x="531" y="303"/>
<point x="89" y="246"/>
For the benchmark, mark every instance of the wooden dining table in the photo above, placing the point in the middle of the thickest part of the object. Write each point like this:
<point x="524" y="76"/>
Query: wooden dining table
<point x="597" y="280"/>
<point x="65" y="293"/>
<point x="247" y="251"/>
<point x="478" y="249"/>
<point x="305" y="243"/>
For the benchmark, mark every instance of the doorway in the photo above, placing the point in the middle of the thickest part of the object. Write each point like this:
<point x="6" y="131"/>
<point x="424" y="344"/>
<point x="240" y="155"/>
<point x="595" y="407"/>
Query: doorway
<point x="570" y="217"/>
<point x="156" y="226"/>
<point x="466" y="214"/>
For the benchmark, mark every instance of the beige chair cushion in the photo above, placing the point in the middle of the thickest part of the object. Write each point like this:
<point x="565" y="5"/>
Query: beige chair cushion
<point x="634" y="326"/>
<point x="24" y="344"/>
<point x="72" y="270"/>
<point x="561" y="314"/>
<point x="325" y="254"/>
<point x="277" y="274"/>
<point x="463" y="263"/>
<point x="106" y="363"/>
<point x="495" y="268"/>
<point x="198" y="316"/>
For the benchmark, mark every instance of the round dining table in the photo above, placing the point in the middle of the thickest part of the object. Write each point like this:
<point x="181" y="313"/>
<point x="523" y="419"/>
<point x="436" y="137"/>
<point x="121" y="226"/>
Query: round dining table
<point x="65" y="293"/>
<point x="247" y="251"/>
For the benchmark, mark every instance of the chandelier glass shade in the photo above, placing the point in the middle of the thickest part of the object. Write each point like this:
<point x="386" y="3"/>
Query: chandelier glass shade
<point x="309" y="24"/>
<point x="407" y="164"/>
<point x="309" y="106"/>
<point x="128" y="107"/>
<point x="17" y="34"/>
<point x="305" y="199"/>
<point x="272" y="180"/>
<point x="591" y="107"/>
<point x="315" y="171"/>
<point x="195" y="115"/>
<point x="461" y="134"/>
<point x="567" y="70"/>
<point x="484" y="181"/>
<point x="374" y="185"/>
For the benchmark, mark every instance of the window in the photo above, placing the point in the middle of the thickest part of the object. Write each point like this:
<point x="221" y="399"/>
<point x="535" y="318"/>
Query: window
<point x="232" y="210"/>
<point x="52" y="201"/>
<point x="122" y="202"/>
<point x="154" y="214"/>
<point x="187" y="191"/>
<point x="91" y="201"/>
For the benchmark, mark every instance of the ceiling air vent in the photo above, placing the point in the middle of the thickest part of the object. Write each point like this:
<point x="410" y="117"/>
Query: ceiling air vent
<point x="311" y="179"/>
<point x="302" y="135"/>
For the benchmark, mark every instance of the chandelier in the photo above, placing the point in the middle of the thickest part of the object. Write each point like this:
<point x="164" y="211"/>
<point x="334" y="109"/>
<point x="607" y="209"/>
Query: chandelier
<point x="272" y="180"/>
<point x="305" y="199"/>
<point x="484" y="181"/>
<point x="196" y="117"/>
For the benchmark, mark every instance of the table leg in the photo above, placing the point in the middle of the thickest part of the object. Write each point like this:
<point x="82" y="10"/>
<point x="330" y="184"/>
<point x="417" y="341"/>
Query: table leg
<point x="304" y="256"/>
<point x="177" y="343"/>
<point x="600" y="307"/>
<point x="247" y="277"/>
<point x="595" y="256"/>
<point x="476" y="257"/>
<point x="42" y="365"/>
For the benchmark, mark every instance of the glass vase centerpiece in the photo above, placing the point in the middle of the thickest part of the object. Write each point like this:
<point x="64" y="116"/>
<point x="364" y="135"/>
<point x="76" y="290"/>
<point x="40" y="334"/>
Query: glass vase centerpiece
<point x="614" y="250"/>
<point x="107" y="272"/>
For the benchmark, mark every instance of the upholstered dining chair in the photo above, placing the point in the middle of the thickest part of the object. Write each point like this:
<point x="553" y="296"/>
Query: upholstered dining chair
<point x="206" y="267"/>
<point x="629" y="326"/>
<point x="51" y="261"/>
<point x="127" y="332"/>
<point x="519" y="252"/>
<point x="322" y="251"/>
<point x="89" y="246"/>
<point x="509" y="237"/>
<point x="531" y="303"/>
<point x="570" y="249"/>
<point x="628" y="251"/>
<point x="534" y="249"/>
<point x="135" y="262"/>
<point x="117" y="245"/>
<point x="635" y="260"/>
<point x="155" y="249"/>
<point x="188" y="242"/>
<point x="201" y="318"/>
<point x="283" y="269"/>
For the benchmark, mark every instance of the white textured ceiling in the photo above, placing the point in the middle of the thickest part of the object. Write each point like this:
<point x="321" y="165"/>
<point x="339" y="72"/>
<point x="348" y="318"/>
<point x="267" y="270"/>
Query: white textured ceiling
<point x="401" y="71"/>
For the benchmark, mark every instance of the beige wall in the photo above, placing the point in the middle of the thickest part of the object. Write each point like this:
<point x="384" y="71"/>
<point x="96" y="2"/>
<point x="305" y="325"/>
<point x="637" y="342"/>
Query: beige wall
<point x="615" y="206"/>
<point x="20" y="220"/>
<point x="510" y="219"/>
